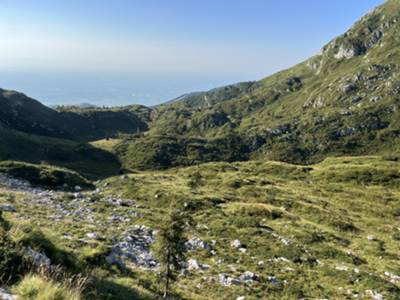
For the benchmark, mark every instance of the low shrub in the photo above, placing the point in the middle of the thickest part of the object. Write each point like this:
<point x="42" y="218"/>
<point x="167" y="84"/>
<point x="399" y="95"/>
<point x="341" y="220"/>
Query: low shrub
<point x="12" y="262"/>
<point x="34" y="287"/>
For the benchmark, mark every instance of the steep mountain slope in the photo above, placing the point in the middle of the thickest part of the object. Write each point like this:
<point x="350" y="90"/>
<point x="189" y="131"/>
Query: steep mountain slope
<point x="19" y="112"/>
<point x="22" y="113"/>
<point x="345" y="100"/>
<point x="89" y="161"/>
<point x="93" y="124"/>
<point x="32" y="132"/>
<point x="214" y="96"/>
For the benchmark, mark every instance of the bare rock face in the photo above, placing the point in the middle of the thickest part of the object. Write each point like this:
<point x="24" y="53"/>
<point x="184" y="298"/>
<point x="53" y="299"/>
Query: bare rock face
<point x="6" y="296"/>
<point x="236" y="244"/>
<point x="248" y="277"/>
<point x="39" y="259"/>
<point x="345" y="53"/>
<point x="8" y="208"/>
<point x="348" y="87"/>
<point x="374" y="295"/>
<point x="226" y="280"/>
<point x="193" y="264"/>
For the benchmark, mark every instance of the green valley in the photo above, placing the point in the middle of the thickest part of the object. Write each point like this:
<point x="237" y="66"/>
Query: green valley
<point x="290" y="185"/>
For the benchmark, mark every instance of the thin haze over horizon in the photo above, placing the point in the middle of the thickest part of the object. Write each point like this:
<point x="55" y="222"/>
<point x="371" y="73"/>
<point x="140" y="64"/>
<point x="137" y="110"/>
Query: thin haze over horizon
<point x="127" y="51"/>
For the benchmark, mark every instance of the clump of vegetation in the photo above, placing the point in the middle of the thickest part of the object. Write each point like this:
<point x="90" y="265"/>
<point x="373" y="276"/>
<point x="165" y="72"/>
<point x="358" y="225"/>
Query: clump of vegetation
<point x="35" y="287"/>
<point x="12" y="262"/>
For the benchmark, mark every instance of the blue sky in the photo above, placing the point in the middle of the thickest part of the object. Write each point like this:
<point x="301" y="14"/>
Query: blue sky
<point x="187" y="44"/>
<point x="207" y="36"/>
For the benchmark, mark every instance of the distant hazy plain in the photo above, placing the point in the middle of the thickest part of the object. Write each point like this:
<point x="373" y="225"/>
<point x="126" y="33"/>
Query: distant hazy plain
<point x="107" y="88"/>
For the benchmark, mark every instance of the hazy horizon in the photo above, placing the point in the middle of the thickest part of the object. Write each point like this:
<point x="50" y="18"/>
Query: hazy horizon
<point x="108" y="89"/>
<point x="125" y="52"/>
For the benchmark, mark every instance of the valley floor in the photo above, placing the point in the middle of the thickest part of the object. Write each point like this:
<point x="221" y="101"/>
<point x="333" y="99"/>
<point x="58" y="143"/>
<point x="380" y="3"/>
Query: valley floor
<point x="264" y="230"/>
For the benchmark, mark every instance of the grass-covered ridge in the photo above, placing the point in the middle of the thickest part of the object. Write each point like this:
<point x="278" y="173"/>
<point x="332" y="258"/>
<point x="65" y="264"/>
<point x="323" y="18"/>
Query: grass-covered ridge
<point x="45" y="176"/>
<point x="19" y="112"/>
<point x="89" y="161"/>
<point x="343" y="101"/>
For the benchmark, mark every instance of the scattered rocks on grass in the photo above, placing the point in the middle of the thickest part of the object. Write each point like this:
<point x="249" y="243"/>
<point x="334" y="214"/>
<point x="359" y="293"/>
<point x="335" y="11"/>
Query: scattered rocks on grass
<point x="227" y="280"/>
<point x="91" y="235"/>
<point x="375" y="295"/>
<point x="14" y="183"/>
<point x="196" y="243"/>
<point x="348" y="87"/>
<point x="79" y="206"/>
<point x="248" y="277"/>
<point x="193" y="264"/>
<point x="278" y="259"/>
<point x="342" y="268"/>
<point x="273" y="280"/>
<point x="236" y="244"/>
<point x="282" y="239"/>
<point x="8" y="208"/>
<point x="393" y="278"/>
<point x="133" y="248"/>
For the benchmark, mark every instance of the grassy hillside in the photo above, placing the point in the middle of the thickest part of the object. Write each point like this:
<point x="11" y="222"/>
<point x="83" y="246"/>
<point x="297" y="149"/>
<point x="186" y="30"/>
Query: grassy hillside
<point x="44" y="175"/>
<point x="328" y="230"/>
<point x="22" y="113"/>
<point x="214" y="96"/>
<point x="342" y="101"/>
<point x="293" y="184"/>
<point x="89" y="161"/>
<point x="162" y="151"/>
<point x="27" y="115"/>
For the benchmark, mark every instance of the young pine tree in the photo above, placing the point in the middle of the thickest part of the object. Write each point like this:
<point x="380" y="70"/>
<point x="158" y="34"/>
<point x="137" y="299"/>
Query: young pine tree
<point x="170" y="249"/>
